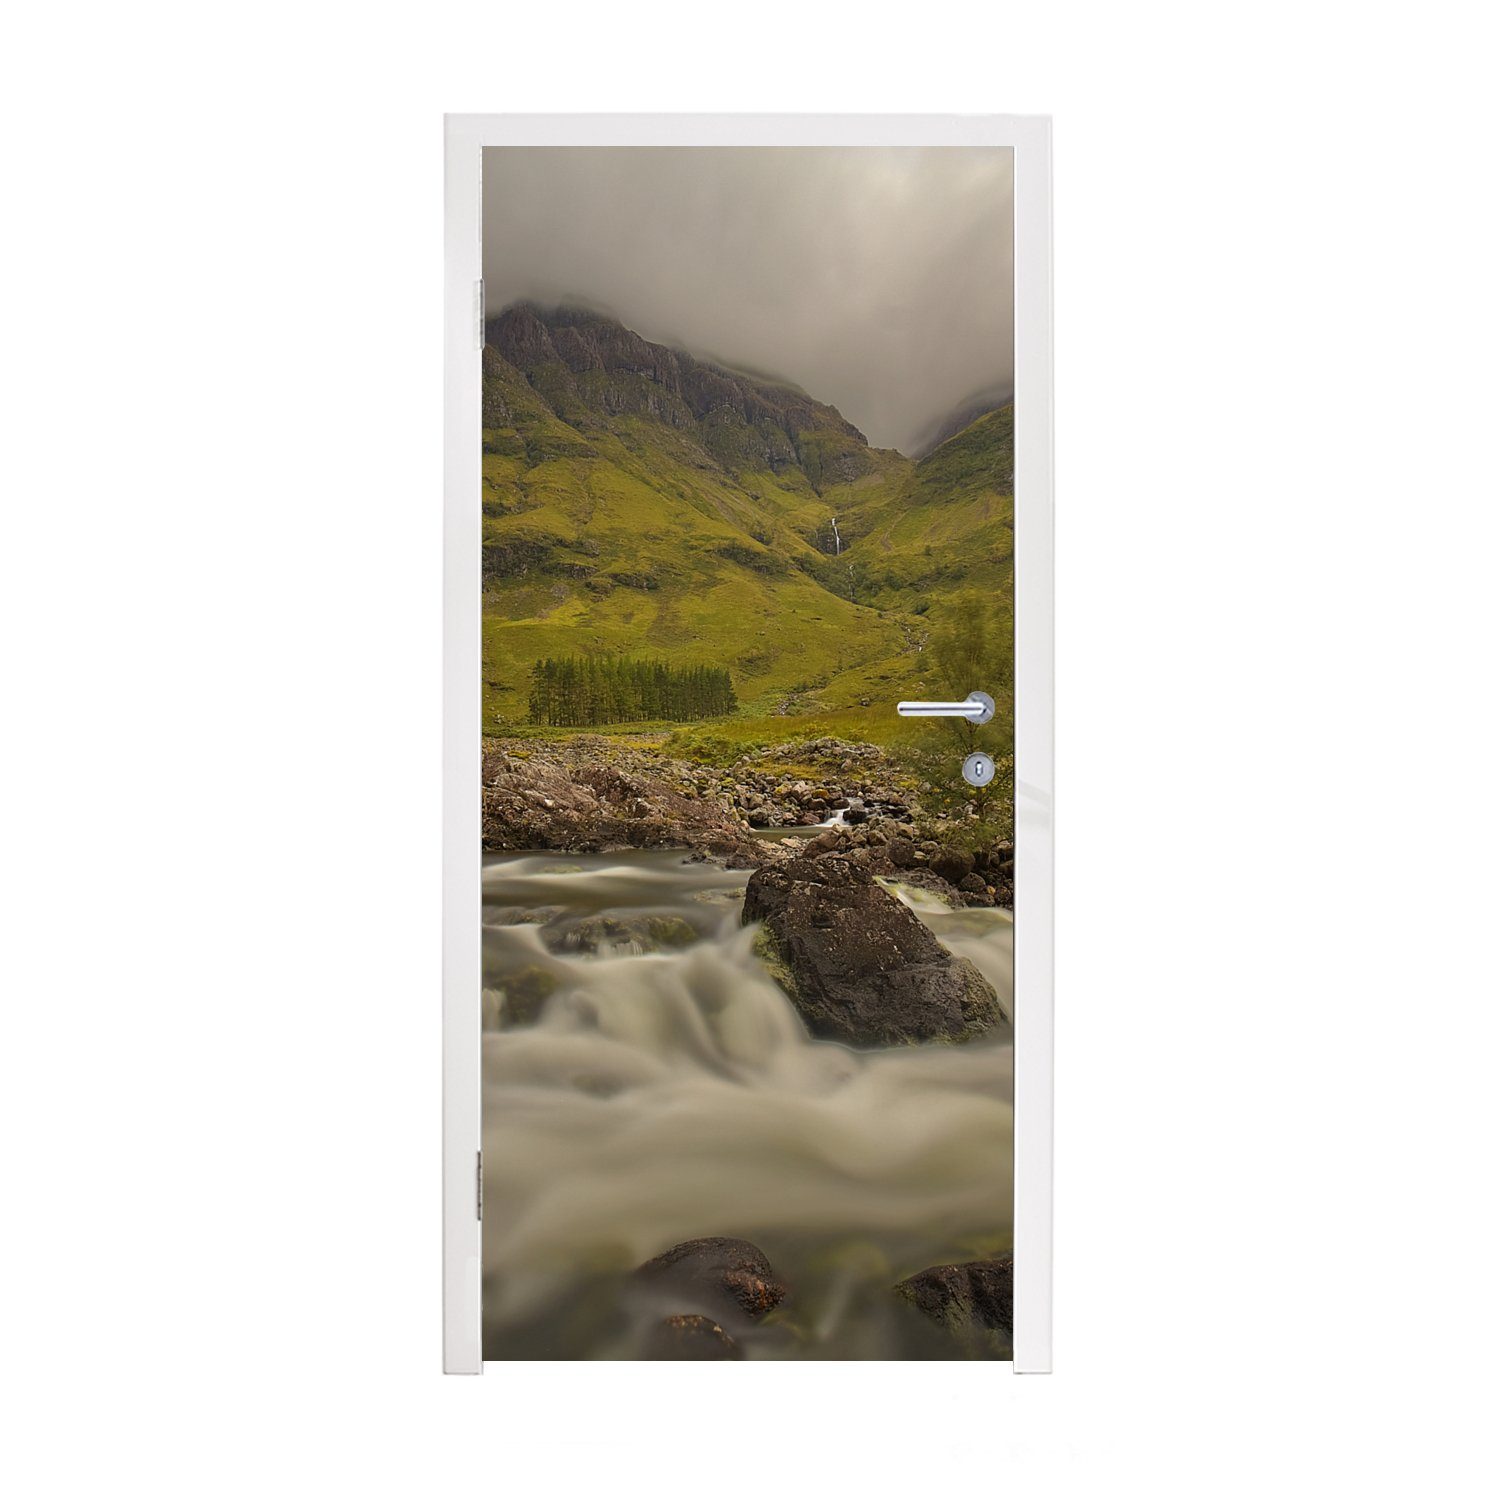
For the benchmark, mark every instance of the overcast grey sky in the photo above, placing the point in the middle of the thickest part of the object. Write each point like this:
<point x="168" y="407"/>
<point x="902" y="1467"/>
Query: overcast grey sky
<point x="878" y="280"/>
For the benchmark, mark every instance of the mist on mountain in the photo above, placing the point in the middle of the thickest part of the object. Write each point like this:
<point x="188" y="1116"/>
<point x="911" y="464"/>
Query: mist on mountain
<point x="880" y="279"/>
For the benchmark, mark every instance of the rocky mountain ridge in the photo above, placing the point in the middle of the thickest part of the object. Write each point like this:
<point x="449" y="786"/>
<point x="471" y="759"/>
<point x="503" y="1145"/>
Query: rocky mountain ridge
<point x="590" y="369"/>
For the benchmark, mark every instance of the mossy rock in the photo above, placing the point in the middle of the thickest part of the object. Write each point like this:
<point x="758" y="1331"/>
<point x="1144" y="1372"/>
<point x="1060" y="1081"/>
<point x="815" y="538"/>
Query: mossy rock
<point x="611" y="934"/>
<point x="524" y="995"/>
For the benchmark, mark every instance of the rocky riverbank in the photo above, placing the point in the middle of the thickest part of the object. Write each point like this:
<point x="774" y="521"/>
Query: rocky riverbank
<point x="595" y="793"/>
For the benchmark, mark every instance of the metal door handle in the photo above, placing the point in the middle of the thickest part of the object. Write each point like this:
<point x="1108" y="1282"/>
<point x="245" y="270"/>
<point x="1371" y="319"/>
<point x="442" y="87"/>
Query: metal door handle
<point x="978" y="708"/>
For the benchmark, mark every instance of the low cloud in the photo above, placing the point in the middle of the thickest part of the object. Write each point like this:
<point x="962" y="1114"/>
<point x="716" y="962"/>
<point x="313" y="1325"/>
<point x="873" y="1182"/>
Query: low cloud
<point x="878" y="280"/>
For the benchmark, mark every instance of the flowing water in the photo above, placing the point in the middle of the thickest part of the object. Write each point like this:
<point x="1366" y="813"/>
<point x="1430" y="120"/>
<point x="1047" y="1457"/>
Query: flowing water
<point x="661" y="1096"/>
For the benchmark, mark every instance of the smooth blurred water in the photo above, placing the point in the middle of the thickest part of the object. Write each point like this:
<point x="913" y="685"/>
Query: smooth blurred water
<point x="665" y="1096"/>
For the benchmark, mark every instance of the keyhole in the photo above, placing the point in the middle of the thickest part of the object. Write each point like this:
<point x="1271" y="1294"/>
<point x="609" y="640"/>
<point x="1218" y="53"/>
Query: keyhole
<point x="979" y="769"/>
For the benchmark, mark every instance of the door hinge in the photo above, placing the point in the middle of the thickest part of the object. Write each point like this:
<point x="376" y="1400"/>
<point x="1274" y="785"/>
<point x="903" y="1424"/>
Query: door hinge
<point x="479" y="1185"/>
<point x="479" y="313"/>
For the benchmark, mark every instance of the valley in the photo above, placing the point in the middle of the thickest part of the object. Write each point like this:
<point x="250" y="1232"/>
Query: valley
<point x="641" y="502"/>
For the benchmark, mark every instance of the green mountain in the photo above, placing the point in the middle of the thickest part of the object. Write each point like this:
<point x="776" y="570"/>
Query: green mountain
<point x="642" y="502"/>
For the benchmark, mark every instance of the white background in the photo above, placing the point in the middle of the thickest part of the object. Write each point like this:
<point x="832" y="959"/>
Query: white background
<point x="220" y="594"/>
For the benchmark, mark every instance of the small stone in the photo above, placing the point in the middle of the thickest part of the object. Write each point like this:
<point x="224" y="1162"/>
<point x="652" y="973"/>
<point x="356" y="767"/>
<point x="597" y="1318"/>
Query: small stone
<point x="690" y="1336"/>
<point x="952" y="865"/>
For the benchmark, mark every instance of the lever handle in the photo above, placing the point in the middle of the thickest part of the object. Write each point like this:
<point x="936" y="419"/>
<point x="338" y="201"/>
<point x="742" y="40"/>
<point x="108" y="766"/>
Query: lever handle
<point x="978" y="708"/>
<point x="939" y="710"/>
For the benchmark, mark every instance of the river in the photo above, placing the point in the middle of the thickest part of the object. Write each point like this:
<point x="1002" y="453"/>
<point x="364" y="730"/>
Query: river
<point x="664" y="1096"/>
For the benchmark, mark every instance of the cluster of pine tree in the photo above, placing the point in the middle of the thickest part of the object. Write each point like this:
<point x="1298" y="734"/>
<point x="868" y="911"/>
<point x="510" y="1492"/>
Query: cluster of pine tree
<point x="575" y="690"/>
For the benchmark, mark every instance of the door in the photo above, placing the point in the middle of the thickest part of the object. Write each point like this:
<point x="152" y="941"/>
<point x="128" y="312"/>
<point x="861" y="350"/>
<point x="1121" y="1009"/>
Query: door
<point x="747" y="990"/>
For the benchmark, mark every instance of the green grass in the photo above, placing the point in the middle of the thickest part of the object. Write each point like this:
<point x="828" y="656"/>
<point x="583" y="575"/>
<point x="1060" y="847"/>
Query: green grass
<point x="636" y="532"/>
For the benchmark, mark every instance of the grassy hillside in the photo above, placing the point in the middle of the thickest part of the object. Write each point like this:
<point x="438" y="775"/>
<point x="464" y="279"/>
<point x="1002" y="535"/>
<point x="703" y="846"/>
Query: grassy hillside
<point x="639" y="502"/>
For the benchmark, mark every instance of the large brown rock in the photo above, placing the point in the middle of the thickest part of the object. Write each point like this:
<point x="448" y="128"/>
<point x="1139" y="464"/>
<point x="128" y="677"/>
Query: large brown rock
<point x="859" y="967"/>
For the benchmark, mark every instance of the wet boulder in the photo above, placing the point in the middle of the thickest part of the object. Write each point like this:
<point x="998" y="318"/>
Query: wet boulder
<point x="690" y="1336"/>
<point x="973" y="1298"/>
<point x="718" y="1275"/>
<point x="857" y="964"/>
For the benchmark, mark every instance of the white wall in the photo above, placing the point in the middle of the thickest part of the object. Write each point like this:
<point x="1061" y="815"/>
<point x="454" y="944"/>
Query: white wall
<point x="220" y="585"/>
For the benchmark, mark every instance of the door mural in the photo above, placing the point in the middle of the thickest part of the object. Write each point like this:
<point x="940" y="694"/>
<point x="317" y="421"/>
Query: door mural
<point x="747" y="1005"/>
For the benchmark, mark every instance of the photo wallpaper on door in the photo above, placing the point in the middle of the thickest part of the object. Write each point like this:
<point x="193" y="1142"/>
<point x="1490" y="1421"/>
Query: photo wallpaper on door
<point x="747" y="1006"/>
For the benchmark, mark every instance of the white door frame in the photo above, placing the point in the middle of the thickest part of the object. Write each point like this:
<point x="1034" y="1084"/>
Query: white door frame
<point x="466" y="136"/>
